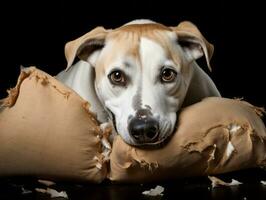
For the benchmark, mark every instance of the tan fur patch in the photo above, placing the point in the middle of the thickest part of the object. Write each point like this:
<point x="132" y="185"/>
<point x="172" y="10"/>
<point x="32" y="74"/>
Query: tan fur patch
<point x="126" y="41"/>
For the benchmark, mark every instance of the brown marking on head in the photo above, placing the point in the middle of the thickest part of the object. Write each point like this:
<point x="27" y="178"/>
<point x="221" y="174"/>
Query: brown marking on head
<point x="118" y="45"/>
<point x="156" y="32"/>
<point x="126" y="41"/>
<point x="140" y="28"/>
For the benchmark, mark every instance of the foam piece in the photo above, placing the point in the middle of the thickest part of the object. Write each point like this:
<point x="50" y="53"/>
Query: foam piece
<point x="217" y="135"/>
<point x="47" y="131"/>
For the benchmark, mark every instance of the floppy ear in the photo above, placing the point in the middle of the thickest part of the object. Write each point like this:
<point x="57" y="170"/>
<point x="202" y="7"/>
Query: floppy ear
<point x="85" y="46"/>
<point x="193" y="42"/>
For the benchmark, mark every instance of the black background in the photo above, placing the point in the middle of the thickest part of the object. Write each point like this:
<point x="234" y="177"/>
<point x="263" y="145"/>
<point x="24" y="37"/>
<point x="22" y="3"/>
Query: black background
<point x="34" y="33"/>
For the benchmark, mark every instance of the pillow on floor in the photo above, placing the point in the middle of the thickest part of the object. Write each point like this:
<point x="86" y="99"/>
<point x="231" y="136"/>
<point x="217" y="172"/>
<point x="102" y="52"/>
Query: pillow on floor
<point x="47" y="131"/>
<point x="214" y="136"/>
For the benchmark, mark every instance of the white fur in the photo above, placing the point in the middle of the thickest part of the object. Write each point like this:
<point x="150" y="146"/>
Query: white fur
<point x="193" y="53"/>
<point x="80" y="77"/>
<point x="164" y="99"/>
<point x="116" y="99"/>
<point x="164" y="105"/>
<point x="143" y="74"/>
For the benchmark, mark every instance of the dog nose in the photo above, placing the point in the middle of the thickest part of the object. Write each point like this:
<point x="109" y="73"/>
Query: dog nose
<point x="144" y="130"/>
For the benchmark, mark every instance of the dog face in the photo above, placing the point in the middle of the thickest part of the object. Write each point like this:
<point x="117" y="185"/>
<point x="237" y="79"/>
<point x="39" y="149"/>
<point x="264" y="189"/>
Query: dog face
<point x="142" y="75"/>
<point x="139" y="80"/>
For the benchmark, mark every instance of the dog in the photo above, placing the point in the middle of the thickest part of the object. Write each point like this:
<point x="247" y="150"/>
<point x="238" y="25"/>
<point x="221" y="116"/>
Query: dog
<point x="139" y="76"/>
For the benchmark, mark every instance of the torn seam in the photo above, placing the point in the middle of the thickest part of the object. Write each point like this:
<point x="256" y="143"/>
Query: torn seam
<point x="13" y="93"/>
<point x="189" y="146"/>
<point x="44" y="80"/>
<point x="216" y="182"/>
<point x="260" y="111"/>
<point x="151" y="166"/>
<point x="86" y="106"/>
<point x="99" y="162"/>
<point x="65" y="94"/>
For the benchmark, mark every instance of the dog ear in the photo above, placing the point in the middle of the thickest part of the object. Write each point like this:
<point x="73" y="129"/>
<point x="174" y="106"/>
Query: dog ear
<point x="85" y="47"/>
<point x="193" y="42"/>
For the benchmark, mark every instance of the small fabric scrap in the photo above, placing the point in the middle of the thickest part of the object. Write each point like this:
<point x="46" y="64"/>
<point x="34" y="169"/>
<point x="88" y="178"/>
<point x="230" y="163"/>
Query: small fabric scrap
<point x="52" y="192"/>
<point x="157" y="191"/>
<point x="216" y="182"/>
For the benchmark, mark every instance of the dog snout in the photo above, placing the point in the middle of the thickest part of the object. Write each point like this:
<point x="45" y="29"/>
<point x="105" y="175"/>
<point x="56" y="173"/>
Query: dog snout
<point x="144" y="130"/>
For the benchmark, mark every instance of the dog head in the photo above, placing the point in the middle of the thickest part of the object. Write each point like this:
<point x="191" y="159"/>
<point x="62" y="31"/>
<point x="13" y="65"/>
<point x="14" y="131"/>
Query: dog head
<point x="142" y="74"/>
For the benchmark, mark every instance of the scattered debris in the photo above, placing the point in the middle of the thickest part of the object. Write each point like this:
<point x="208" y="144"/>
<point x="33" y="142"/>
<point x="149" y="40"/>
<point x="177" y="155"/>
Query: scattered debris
<point x="157" y="191"/>
<point x="216" y="182"/>
<point x="46" y="182"/>
<point x="25" y="191"/>
<point x="41" y="190"/>
<point x="53" y="193"/>
<point x="263" y="182"/>
<point x="99" y="162"/>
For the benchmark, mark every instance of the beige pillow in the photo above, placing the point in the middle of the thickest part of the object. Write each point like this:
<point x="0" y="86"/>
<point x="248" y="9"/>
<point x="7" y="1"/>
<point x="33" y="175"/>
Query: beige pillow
<point x="214" y="136"/>
<point x="47" y="131"/>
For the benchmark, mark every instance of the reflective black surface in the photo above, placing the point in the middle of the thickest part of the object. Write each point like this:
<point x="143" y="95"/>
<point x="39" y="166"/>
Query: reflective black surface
<point x="189" y="188"/>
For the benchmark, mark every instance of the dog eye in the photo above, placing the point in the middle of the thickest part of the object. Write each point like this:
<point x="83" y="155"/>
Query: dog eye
<point x="117" y="77"/>
<point x="168" y="75"/>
